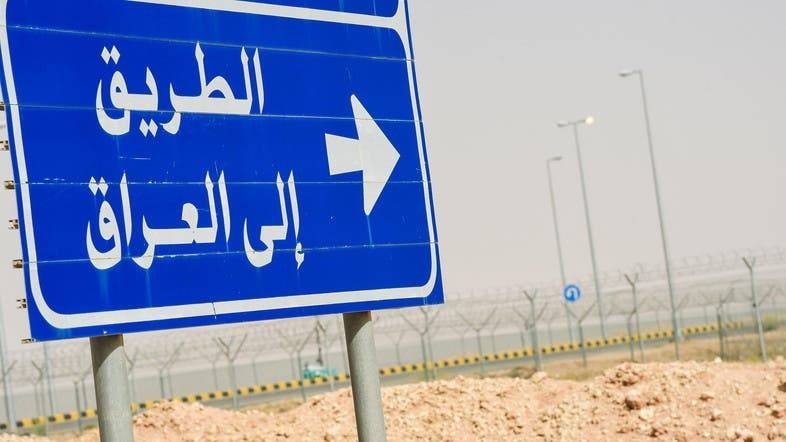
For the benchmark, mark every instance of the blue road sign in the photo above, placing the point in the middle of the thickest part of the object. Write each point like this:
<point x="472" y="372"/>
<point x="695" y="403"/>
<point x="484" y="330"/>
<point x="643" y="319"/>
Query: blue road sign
<point x="194" y="162"/>
<point x="572" y="293"/>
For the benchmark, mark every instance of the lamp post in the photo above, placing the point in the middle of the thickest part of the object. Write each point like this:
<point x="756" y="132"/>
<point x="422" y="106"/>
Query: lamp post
<point x="574" y="125"/>
<point x="675" y="324"/>
<point x="559" y="242"/>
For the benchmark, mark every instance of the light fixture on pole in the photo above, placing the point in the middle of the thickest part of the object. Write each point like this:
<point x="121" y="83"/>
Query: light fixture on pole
<point x="574" y="125"/>
<point x="675" y="323"/>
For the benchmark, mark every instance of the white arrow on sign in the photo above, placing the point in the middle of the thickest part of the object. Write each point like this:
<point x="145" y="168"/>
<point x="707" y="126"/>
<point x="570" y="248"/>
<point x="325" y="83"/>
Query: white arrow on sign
<point x="372" y="153"/>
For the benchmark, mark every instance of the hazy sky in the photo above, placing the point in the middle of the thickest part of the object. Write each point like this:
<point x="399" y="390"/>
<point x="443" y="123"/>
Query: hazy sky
<point x="496" y="75"/>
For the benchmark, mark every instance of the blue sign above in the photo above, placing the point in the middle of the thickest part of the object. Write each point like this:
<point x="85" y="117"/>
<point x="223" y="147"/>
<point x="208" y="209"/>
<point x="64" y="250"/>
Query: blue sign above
<point x="182" y="163"/>
<point x="572" y="293"/>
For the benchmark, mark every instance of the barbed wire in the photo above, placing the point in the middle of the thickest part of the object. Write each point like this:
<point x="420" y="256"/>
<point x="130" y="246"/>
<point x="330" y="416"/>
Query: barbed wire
<point x="702" y="281"/>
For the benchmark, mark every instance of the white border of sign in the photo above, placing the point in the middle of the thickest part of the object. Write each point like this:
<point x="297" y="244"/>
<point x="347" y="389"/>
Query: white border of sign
<point x="397" y="22"/>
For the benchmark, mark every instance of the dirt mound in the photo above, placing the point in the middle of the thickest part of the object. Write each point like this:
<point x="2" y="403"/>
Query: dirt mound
<point x="674" y="401"/>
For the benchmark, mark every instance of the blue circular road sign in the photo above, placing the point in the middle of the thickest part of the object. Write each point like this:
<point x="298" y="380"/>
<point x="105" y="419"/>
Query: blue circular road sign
<point x="572" y="293"/>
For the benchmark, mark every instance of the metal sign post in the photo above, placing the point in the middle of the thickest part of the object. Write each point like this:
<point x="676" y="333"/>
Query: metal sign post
<point x="112" y="400"/>
<point x="366" y="393"/>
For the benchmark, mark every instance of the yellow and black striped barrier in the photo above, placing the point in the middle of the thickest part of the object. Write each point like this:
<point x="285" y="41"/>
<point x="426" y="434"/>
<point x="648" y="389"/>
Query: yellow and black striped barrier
<point x="387" y="371"/>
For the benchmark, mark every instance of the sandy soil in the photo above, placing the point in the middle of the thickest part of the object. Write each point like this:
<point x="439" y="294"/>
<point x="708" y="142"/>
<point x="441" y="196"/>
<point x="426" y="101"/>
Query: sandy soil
<point x="660" y="401"/>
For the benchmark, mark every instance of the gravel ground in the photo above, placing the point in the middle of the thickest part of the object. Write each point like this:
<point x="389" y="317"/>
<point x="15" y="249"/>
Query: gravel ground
<point x="668" y="401"/>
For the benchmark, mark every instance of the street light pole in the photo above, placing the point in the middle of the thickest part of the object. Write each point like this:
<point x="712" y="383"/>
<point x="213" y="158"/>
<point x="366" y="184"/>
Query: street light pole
<point x="676" y="328"/>
<point x="559" y="243"/>
<point x="575" y="126"/>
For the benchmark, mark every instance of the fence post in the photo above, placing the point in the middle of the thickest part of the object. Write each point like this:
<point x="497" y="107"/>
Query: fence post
<point x="631" y="338"/>
<point x="480" y="353"/>
<point x="534" y="317"/>
<point x="49" y="385"/>
<point x="78" y="406"/>
<point x="427" y="331"/>
<point x="751" y="263"/>
<point x="254" y="368"/>
<point x="682" y="304"/>
<point x="549" y="322"/>
<point x="300" y="364"/>
<point x="40" y="408"/>
<point x="658" y="306"/>
<point x="398" y="346"/>
<point x="84" y="387"/>
<point x="231" y="356"/>
<point x="721" y="345"/>
<point x="721" y="312"/>
<point x="633" y="281"/>
<point x="343" y="344"/>
<point x="131" y="361"/>
<point x="477" y="327"/>
<point x="8" y="395"/>
<point x="424" y="354"/>
<point x="168" y="363"/>
<point x="423" y="333"/>
<point x="582" y="342"/>
<point x="494" y="329"/>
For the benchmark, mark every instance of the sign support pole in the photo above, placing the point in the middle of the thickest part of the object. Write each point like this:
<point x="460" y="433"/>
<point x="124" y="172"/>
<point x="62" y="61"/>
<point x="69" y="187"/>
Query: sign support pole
<point x="366" y="392"/>
<point x="111" y="381"/>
